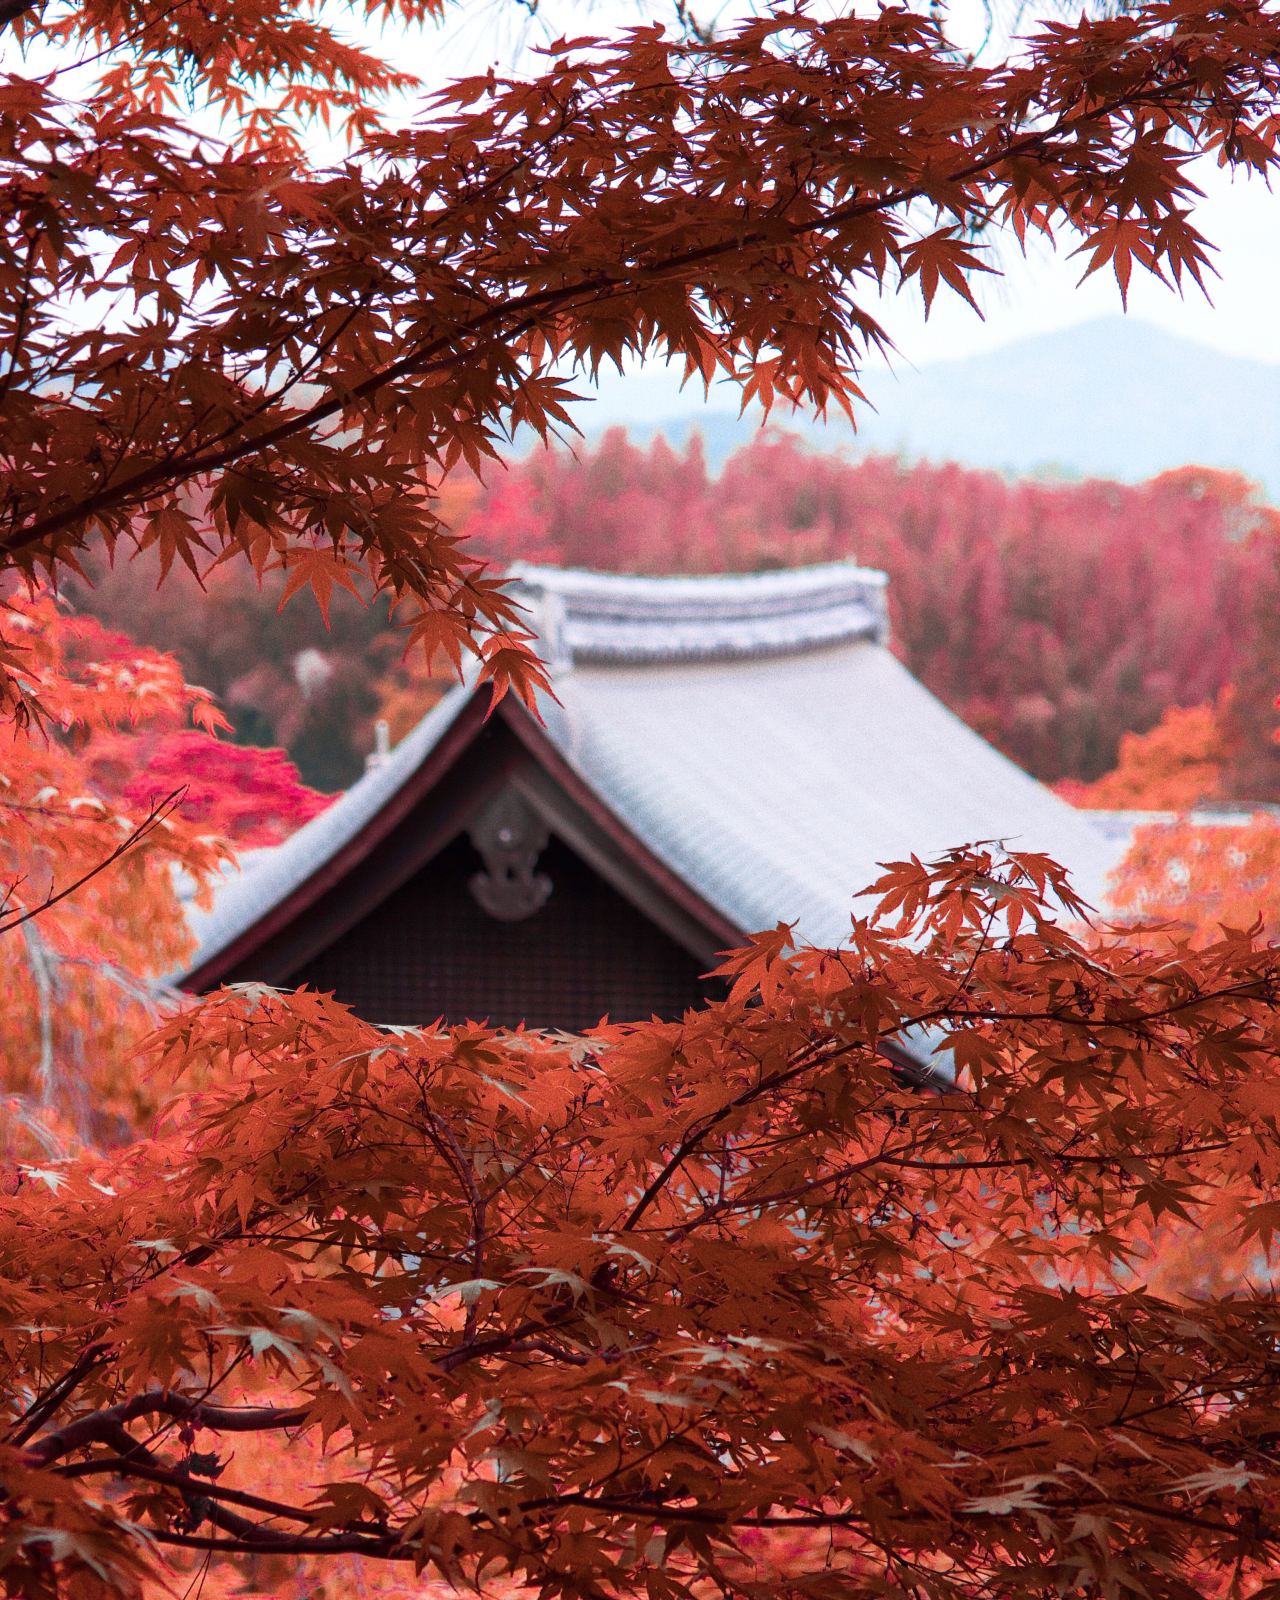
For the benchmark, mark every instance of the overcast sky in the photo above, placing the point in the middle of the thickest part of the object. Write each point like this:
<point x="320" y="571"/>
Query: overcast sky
<point x="1043" y="294"/>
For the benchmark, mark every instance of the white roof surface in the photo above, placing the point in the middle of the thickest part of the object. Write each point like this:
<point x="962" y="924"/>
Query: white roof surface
<point x="755" y="733"/>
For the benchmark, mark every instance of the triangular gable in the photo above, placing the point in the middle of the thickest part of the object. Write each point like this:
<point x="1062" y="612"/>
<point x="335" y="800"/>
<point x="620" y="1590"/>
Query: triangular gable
<point x="300" y="897"/>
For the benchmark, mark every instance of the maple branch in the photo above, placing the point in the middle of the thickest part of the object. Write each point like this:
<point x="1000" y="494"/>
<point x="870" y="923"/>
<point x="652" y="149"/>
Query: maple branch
<point x="494" y="1344"/>
<point x="23" y="315"/>
<point x="157" y="815"/>
<point x="137" y="1460"/>
<point x="96" y="1355"/>
<point x="900" y="1157"/>
<point x="1262" y="989"/>
<point x="661" y="1511"/>
<point x="248" y="1536"/>
<point x="810" y="1060"/>
<point x="749" y="1201"/>
<point x="176" y="1478"/>
<point x="445" y="1142"/>
<point x="454" y="347"/>
<point x="339" y="1544"/>
<point x="102" y="1426"/>
<point x="697" y="1134"/>
<point x="298" y="376"/>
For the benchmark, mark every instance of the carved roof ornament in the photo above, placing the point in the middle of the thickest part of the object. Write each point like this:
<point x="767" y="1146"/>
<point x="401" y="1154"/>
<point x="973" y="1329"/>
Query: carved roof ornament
<point x="509" y="837"/>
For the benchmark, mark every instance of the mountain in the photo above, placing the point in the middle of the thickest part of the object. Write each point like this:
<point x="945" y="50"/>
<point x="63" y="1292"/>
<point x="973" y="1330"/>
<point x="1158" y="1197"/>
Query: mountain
<point x="1112" y="398"/>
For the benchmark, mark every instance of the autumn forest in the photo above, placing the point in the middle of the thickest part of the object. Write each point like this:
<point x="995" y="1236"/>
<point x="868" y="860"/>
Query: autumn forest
<point x="1054" y="617"/>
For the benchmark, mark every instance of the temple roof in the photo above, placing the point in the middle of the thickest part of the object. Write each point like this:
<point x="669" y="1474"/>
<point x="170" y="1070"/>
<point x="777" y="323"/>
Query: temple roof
<point x="752" y="734"/>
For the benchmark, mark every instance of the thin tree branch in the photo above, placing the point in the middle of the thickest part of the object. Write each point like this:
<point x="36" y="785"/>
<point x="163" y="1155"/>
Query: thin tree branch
<point x="100" y="1426"/>
<point x="450" y="349"/>
<point x="158" y="813"/>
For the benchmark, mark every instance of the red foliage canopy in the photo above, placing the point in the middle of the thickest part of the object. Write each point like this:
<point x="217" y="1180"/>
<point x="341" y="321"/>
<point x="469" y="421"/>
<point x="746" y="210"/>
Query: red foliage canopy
<point x="249" y="797"/>
<point x="596" y="1316"/>
<point x="1175" y="766"/>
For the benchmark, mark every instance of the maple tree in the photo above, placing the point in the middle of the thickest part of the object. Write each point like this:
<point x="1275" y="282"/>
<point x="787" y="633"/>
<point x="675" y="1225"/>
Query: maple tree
<point x="1199" y="870"/>
<point x="313" y="685"/>
<point x="1172" y="767"/>
<point x="293" y="680"/>
<point x="167" y="746"/>
<point x="1202" y="874"/>
<point x="1250" y="721"/>
<point x="119" y="801"/>
<point x="247" y="796"/>
<point x="587" y="1315"/>
<point x="80" y="943"/>
<point x="628" y="1313"/>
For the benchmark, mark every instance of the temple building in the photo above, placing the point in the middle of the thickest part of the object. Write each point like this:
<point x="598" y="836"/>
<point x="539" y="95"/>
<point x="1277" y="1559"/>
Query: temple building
<point x="721" y="754"/>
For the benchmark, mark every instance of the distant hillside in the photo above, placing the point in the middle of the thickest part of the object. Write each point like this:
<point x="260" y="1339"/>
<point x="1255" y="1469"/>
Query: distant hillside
<point x="1112" y="398"/>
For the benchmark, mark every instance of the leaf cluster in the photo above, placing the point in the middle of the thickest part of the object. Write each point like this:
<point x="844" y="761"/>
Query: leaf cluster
<point x="596" y="1315"/>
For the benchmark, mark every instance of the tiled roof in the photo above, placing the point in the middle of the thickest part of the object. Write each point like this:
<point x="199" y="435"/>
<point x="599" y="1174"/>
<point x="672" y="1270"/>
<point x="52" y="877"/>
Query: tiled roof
<point x="775" y="786"/>
<point x="754" y="733"/>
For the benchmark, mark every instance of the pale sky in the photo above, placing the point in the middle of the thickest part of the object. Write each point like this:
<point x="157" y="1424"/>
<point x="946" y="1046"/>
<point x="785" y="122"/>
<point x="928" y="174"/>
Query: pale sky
<point x="1040" y="295"/>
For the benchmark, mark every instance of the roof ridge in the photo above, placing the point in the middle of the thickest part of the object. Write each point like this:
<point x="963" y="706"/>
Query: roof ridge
<point x="602" y="617"/>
